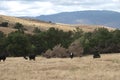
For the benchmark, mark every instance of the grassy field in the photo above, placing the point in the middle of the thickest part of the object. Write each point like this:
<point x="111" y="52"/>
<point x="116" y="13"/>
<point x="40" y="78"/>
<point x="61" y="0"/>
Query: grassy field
<point x="84" y="68"/>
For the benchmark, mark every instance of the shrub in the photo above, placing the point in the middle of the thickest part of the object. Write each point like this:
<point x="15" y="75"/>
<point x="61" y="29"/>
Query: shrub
<point x="4" y="24"/>
<point x="58" y="51"/>
<point x="76" y="48"/>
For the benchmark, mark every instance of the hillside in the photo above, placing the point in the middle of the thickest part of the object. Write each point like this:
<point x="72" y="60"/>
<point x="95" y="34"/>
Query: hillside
<point x="84" y="68"/>
<point x="90" y="17"/>
<point x="30" y="24"/>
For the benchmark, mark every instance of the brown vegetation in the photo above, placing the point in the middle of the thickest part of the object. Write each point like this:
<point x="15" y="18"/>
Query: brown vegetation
<point x="60" y="52"/>
<point x="57" y="51"/>
<point x="76" y="48"/>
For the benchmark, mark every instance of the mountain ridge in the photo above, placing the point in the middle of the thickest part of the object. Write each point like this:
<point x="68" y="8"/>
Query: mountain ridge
<point x="90" y="17"/>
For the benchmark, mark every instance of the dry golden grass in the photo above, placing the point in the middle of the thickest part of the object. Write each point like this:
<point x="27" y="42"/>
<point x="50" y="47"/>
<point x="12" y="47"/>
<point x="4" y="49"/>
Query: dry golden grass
<point x="30" y="24"/>
<point x="9" y="30"/>
<point x="90" y="28"/>
<point x="6" y="30"/>
<point x="84" y="68"/>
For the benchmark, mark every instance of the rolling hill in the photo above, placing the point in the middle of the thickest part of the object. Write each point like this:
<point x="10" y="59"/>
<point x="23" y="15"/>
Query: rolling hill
<point x="30" y="24"/>
<point x="90" y="17"/>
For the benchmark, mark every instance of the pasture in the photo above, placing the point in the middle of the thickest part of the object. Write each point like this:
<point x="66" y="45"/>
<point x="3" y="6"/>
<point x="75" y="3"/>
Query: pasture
<point x="80" y="68"/>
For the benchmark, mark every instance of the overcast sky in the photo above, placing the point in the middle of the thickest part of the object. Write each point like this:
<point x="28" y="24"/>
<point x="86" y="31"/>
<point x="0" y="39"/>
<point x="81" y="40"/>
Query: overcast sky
<point x="44" y="7"/>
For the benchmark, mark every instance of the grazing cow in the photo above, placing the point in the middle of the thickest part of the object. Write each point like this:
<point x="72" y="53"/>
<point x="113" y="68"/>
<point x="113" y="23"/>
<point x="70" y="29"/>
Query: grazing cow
<point x="96" y="55"/>
<point x="71" y="55"/>
<point x="3" y="56"/>
<point x="30" y="56"/>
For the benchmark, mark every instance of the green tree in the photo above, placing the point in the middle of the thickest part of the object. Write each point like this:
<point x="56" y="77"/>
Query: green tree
<point x="40" y="42"/>
<point x="48" y="39"/>
<point x="36" y="30"/>
<point x="77" y="33"/>
<point x="20" y="27"/>
<point x="115" y="41"/>
<point x="85" y="41"/>
<point x="2" y="42"/>
<point x="100" y="39"/>
<point x="56" y="36"/>
<point x="18" y="44"/>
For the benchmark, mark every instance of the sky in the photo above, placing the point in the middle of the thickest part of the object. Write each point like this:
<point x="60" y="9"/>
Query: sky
<point x="46" y="7"/>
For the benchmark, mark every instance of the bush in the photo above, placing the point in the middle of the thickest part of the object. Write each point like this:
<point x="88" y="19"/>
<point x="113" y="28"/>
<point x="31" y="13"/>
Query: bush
<point x="76" y="48"/>
<point x="57" y="51"/>
<point x="4" y="24"/>
<point x="20" y="27"/>
<point x="36" y="30"/>
<point x="18" y="44"/>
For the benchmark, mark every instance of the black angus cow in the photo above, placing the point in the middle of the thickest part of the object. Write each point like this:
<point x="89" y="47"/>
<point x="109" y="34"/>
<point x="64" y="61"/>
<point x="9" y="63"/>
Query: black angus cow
<point x="3" y="56"/>
<point x="96" y="55"/>
<point x="71" y="55"/>
<point x="30" y="56"/>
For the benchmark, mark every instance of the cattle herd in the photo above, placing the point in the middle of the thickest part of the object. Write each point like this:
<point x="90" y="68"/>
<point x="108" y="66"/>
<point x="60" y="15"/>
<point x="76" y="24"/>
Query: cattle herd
<point x="33" y="56"/>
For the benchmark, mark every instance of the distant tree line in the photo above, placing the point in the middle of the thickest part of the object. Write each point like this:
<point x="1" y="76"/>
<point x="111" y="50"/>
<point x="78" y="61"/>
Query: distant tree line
<point x="101" y="39"/>
<point x="19" y="43"/>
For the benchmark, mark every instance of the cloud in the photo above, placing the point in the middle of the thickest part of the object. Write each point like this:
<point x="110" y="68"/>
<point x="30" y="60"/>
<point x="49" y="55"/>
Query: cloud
<point x="40" y="7"/>
<point x="23" y="8"/>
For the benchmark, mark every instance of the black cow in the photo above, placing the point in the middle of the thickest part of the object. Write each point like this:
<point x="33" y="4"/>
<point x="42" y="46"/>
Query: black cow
<point x="71" y="55"/>
<point x="3" y="56"/>
<point x="30" y="56"/>
<point x="96" y="55"/>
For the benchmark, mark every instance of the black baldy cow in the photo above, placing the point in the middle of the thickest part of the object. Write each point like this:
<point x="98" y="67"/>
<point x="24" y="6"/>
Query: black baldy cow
<point x="71" y="55"/>
<point x="3" y="56"/>
<point x="30" y="56"/>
